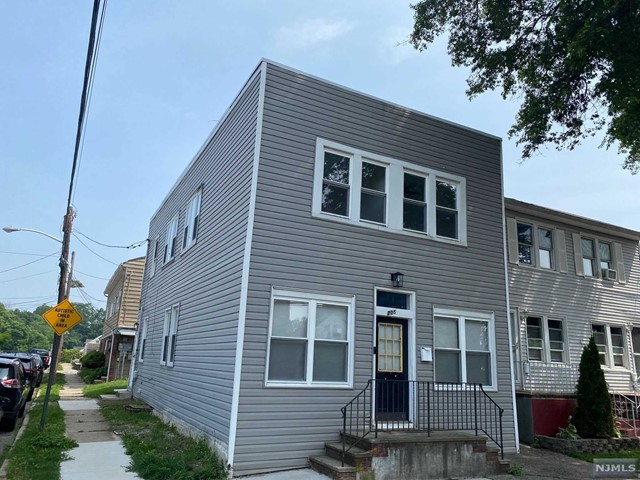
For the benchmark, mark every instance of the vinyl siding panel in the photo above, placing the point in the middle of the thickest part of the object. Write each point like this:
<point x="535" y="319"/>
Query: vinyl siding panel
<point x="579" y="301"/>
<point x="204" y="280"/>
<point x="280" y="428"/>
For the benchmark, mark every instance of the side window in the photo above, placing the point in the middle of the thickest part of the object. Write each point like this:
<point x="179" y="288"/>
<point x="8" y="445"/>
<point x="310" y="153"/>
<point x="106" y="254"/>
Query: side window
<point x="525" y="244"/>
<point x="170" y="243"/>
<point x="336" y="181"/>
<point x="191" y="220"/>
<point x="446" y="210"/>
<point x="588" y="257"/>
<point x="169" y="336"/>
<point x="414" y="213"/>
<point x="545" y="248"/>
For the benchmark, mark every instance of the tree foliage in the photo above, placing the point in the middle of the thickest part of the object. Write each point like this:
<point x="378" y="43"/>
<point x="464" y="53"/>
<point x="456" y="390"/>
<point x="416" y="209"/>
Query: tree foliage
<point x="575" y="64"/>
<point x="593" y="416"/>
<point x="21" y="331"/>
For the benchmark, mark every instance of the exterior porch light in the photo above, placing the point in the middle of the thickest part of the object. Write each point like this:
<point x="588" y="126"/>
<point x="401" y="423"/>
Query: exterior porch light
<point x="397" y="279"/>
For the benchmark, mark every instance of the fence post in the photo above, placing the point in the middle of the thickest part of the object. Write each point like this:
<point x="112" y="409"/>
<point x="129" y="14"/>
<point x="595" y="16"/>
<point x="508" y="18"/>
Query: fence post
<point x="475" y="407"/>
<point x="344" y="433"/>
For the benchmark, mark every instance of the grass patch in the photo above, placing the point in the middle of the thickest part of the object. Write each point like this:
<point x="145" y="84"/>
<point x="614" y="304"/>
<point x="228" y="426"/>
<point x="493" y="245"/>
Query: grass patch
<point x="588" y="457"/>
<point x="107" y="388"/>
<point x="158" y="451"/>
<point x="38" y="453"/>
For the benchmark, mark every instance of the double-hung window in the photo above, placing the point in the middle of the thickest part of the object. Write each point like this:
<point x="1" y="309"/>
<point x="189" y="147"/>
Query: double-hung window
<point x="545" y="339"/>
<point x="610" y="340"/>
<point x="588" y="257"/>
<point x="545" y="248"/>
<point x="525" y="243"/>
<point x="604" y="255"/>
<point x="191" y="220"/>
<point x="310" y="340"/>
<point x="169" y="336"/>
<point x="142" y="344"/>
<point x="464" y="347"/>
<point x="171" y="238"/>
<point x="535" y="245"/>
<point x="598" y="258"/>
<point x="383" y="193"/>
<point x="153" y="255"/>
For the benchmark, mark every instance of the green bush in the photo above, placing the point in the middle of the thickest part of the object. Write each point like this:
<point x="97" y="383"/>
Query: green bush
<point x="89" y="375"/>
<point x="93" y="359"/>
<point x="69" y="354"/>
<point x="593" y="416"/>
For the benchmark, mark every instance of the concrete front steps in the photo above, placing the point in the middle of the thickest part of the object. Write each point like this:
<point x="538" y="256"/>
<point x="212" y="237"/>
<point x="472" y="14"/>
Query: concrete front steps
<point x="410" y="455"/>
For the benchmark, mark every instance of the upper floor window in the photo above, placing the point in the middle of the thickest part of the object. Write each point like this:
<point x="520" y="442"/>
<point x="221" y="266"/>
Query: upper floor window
<point x="525" y="243"/>
<point x="535" y="246"/>
<point x="153" y="256"/>
<point x="191" y="220"/>
<point x="604" y="251"/>
<point x="598" y="258"/>
<point x="545" y="248"/>
<point x="378" y="192"/>
<point x="170" y="243"/>
<point x="588" y="257"/>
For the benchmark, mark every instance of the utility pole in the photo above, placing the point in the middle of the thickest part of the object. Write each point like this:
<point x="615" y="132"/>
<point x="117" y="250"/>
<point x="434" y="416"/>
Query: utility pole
<point x="66" y="295"/>
<point x="67" y="226"/>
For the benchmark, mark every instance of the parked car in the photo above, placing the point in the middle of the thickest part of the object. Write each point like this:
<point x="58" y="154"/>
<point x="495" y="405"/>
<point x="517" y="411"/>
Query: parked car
<point x="15" y="388"/>
<point x="45" y="355"/>
<point x="31" y="371"/>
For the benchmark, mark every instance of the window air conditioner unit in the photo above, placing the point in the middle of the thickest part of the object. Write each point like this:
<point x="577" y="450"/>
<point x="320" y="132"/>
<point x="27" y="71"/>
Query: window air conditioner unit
<point x="608" y="274"/>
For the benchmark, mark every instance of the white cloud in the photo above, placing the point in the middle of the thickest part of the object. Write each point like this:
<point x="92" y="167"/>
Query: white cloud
<point x="311" y="32"/>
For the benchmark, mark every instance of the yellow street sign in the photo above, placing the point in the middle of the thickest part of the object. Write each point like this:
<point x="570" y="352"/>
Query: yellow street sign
<point x="62" y="317"/>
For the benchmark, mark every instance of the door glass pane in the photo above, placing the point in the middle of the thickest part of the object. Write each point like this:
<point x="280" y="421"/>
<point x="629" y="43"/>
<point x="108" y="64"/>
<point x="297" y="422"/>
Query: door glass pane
<point x="446" y="332"/>
<point x="290" y="319"/>
<point x="390" y="347"/>
<point x="477" y="335"/>
<point x="336" y="168"/>
<point x="373" y="177"/>
<point x="414" y="216"/>
<point x="287" y="360"/>
<point x="414" y="187"/>
<point x="331" y="322"/>
<point x="447" y="366"/>
<point x="446" y="195"/>
<point x="478" y="368"/>
<point x="330" y="362"/>
<point x="335" y="199"/>
<point x="372" y="207"/>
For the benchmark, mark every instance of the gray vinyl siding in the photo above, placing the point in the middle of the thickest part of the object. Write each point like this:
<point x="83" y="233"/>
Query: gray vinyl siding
<point x="204" y="280"/>
<point x="280" y="428"/>
<point x="579" y="301"/>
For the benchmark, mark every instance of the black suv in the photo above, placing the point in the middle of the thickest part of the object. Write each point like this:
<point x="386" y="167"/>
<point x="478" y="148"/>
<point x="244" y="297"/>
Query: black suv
<point x="31" y="370"/>
<point x="45" y="355"/>
<point x="14" y="389"/>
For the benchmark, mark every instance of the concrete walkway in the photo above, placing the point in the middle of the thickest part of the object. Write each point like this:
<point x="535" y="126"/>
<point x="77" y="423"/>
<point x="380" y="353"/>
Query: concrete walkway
<point x="100" y="454"/>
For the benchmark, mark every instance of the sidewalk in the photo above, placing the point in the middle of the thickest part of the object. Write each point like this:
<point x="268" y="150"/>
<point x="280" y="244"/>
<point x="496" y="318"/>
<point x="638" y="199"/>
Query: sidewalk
<point x="99" y="454"/>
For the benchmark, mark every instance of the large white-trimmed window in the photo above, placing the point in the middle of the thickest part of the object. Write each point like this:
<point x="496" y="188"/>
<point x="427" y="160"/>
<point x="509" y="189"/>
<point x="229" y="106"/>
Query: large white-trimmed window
<point x="464" y="347"/>
<point x="610" y="340"/>
<point x="169" y="336"/>
<point x="170" y="244"/>
<point x="153" y="256"/>
<point x="310" y="340"/>
<point x="545" y="339"/>
<point x="191" y="220"/>
<point x="373" y="191"/>
<point x="142" y="344"/>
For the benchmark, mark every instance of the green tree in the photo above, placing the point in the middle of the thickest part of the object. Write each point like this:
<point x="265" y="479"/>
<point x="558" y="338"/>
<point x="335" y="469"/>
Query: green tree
<point x="593" y="416"/>
<point x="575" y="64"/>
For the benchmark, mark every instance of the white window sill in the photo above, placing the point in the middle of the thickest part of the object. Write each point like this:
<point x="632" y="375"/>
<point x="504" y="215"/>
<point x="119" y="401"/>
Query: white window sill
<point x="340" y="386"/>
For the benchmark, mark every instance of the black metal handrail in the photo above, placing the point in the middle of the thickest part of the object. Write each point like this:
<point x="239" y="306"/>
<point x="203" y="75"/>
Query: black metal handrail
<point x="413" y="405"/>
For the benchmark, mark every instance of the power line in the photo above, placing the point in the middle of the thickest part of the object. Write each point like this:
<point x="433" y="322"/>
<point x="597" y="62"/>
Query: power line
<point x="29" y="263"/>
<point x="133" y="245"/>
<point x="51" y="300"/>
<point x="23" y="253"/>
<point x="84" y="295"/>
<point x="92" y="276"/>
<point x="96" y="254"/>
<point x="27" y="276"/>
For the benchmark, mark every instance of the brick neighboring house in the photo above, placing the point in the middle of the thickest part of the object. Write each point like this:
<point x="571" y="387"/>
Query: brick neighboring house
<point x="570" y="277"/>
<point x="123" y="303"/>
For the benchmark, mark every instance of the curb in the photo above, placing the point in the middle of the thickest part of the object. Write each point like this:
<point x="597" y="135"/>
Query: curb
<point x="27" y="416"/>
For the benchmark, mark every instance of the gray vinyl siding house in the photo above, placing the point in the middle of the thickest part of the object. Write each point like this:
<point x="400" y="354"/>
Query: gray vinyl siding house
<point x="261" y="313"/>
<point x="562" y="290"/>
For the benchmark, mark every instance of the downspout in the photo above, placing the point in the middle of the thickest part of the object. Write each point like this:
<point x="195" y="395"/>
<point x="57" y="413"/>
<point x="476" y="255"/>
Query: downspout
<point x="110" y="355"/>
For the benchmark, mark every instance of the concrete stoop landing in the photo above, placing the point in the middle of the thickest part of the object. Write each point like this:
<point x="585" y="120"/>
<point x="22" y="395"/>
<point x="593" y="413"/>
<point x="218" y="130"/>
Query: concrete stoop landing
<point x="410" y="455"/>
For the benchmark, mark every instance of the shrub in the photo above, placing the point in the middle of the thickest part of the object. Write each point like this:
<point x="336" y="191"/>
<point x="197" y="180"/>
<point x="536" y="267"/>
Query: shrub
<point x="93" y="359"/>
<point x="569" y="433"/>
<point x="89" y="375"/>
<point x="69" y="354"/>
<point x="593" y="416"/>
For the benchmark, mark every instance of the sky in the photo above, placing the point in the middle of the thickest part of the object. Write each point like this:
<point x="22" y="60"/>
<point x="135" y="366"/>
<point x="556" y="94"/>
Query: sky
<point x="167" y="71"/>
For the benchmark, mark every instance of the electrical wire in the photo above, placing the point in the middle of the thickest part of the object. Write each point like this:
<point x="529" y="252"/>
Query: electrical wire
<point x="27" y="276"/>
<point x="84" y="295"/>
<point x="49" y="299"/>
<point x="92" y="276"/>
<point x="29" y="263"/>
<point x="94" y="62"/>
<point x="23" y="253"/>
<point x="133" y="245"/>
<point x="96" y="254"/>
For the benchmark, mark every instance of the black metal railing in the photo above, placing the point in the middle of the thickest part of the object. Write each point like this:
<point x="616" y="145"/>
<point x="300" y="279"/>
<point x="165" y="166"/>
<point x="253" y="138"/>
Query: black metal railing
<point x="412" y="405"/>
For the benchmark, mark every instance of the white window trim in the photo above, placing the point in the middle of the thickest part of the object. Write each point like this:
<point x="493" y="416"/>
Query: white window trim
<point x="461" y="316"/>
<point x="143" y="339"/>
<point x="609" y="356"/>
<point x="189" y="219"/>
<point x="546" y="341"/>
<point x="172" y="233"/>
<point x="395" y="192"/>
<point x="170" y="328"/>
<point x="153" y="251"/>
<point x="293" y="295"/>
